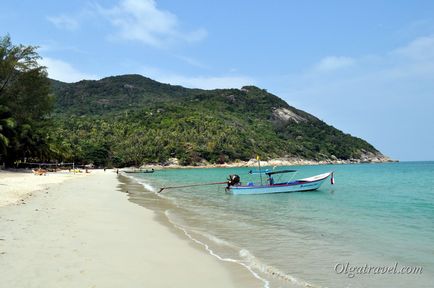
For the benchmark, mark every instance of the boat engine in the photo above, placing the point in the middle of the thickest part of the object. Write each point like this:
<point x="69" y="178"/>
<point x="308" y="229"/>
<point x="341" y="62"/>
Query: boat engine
<point x="233" y="180"/>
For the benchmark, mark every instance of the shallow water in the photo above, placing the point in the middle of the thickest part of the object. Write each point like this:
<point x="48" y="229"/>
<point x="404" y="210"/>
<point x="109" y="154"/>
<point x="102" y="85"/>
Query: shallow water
<point x="375" y="215"/>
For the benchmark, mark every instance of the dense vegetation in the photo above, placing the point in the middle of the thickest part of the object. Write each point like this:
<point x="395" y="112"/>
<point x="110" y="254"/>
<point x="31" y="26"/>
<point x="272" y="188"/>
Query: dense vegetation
<point x="25" y="104"/>
<point x="130" y="120"/>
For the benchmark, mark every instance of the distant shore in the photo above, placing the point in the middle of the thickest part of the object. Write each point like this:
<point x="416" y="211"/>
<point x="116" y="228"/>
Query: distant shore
<point x="174" y="162"/>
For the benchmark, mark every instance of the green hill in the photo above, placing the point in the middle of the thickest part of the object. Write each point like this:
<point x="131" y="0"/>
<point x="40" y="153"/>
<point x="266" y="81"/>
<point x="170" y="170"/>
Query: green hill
<point x="131" y="120"/>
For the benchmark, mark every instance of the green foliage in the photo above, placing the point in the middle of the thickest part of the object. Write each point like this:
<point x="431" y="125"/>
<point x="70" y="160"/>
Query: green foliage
<point x="7" y="125"/>
<point x="25" y="103"/>
<point x="131" y="120"/>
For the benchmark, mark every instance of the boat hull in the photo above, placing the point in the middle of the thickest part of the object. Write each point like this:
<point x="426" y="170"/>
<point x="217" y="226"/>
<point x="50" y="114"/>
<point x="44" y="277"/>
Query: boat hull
<point x="308" y="184"/>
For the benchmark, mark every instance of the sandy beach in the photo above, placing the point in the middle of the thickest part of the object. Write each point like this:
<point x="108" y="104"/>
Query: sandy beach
<point x="17" y="186"/>
<point x="64" y="230"/>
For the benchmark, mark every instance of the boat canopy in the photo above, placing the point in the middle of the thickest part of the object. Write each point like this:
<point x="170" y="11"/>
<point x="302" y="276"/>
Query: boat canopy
<point x="280" y="172"/>
<point x="259" y="172"/>
<point x="268" y="172"/>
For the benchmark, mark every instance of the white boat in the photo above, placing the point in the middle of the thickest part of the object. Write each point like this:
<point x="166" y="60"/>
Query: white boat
<point x="305" y="184"/>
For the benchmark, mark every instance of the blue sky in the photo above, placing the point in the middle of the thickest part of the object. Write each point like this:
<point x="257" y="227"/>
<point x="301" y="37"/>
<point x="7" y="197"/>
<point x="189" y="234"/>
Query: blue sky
<point x="365" y="67"/>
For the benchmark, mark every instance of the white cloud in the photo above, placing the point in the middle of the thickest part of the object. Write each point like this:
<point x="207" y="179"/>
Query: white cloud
<point x="63" y="71"/>
<point x="203" y="82"/>
<point x="421" y="48"/>
<point x="333" y="63"/>
<point x="134" y="20"/>
<point x="386" y="98"/>
<point x="64" y="22"/>
<point x="54" y="46"/>
<point x="141" y="20"/>
<point x="191" y="61"/>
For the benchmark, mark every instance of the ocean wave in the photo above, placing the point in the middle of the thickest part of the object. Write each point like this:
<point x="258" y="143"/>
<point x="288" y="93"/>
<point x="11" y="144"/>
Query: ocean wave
<point x="248" y="260"/>
<point x="148" y="186"/>
<point x="216" y="240"/>
<point x="145" y="184"/>
<point x="211" y="252"/>
<point x="253" y="262"/>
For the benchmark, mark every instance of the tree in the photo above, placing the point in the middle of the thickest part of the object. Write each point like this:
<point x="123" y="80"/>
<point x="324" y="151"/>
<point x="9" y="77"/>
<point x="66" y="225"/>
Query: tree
<point x="7" y="125"/>
<point x="25" y="100"/>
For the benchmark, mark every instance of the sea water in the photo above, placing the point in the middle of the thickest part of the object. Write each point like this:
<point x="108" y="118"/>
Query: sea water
<point x="376" y="220"/>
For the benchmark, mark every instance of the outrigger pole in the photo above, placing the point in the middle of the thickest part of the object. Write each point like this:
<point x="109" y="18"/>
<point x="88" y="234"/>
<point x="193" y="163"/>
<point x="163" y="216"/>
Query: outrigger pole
<point x="259" y="164"/>
<point x="192" y="185"/>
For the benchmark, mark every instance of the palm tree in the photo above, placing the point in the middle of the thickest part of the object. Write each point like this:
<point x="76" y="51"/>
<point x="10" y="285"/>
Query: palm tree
<point x="7" y="125"/>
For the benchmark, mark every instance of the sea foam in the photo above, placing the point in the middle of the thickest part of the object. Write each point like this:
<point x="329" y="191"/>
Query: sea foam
<point x="211" y="252"/>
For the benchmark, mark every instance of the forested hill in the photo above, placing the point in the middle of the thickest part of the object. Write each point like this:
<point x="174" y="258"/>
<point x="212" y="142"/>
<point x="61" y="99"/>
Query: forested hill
<point x="131" y="120"/>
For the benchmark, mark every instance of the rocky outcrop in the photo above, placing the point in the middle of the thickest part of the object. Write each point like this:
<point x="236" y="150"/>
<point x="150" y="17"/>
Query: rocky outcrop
<point x="370" y="157"/>
<point x="285" y="115"/>
<point x="367" y="157"/>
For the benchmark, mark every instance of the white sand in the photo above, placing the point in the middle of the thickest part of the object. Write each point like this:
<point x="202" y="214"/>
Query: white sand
<point x="85" y="233"/>
<point x="17" y="186"/>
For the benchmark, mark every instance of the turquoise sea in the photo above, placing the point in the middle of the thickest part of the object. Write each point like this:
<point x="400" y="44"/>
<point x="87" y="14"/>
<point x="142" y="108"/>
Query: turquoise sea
<point x="375" y="216"/>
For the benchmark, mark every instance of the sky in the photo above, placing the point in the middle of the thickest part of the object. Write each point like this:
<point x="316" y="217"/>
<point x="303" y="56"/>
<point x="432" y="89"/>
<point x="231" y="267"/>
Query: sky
<point x="366" y="67"/>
